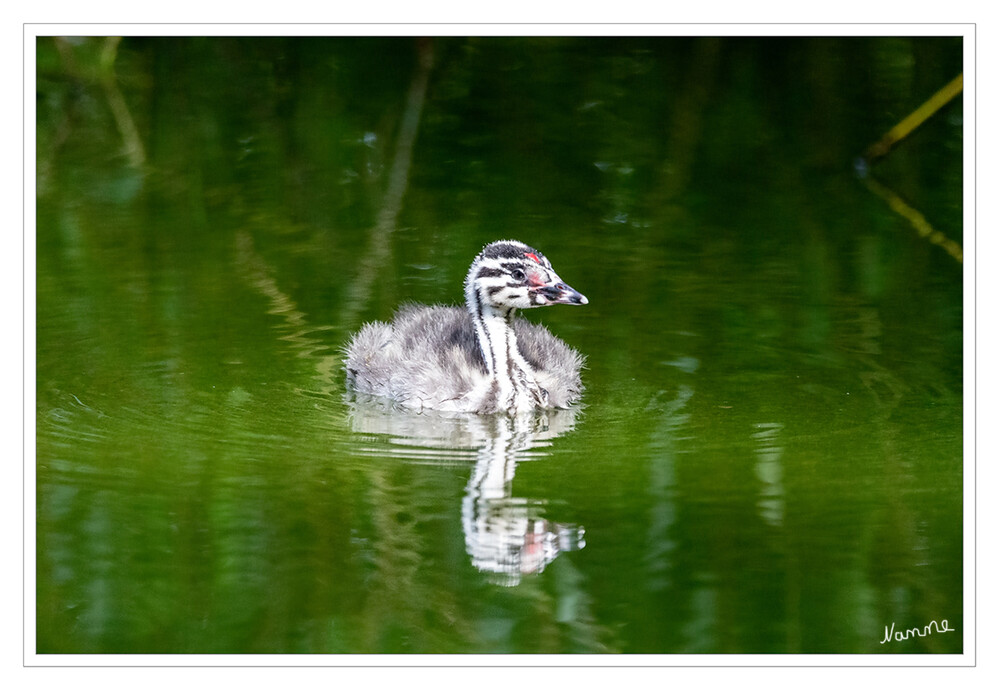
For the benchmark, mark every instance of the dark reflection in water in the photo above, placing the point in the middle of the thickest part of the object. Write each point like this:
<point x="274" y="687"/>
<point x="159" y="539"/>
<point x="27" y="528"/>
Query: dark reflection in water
<point x="506" y="536"/>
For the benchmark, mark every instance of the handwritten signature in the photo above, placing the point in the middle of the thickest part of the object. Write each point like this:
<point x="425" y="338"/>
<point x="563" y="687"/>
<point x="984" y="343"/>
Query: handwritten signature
<point x="928" y="629"/>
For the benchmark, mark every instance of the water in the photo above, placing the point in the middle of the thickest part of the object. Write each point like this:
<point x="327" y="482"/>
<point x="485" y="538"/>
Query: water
<point x="768" y="457"/>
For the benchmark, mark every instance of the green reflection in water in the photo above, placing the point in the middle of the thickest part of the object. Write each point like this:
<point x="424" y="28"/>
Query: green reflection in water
<point x="769" y="457"/>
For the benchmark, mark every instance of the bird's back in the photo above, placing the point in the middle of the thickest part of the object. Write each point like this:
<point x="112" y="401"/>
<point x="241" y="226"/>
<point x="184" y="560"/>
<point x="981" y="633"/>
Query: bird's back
<point x="429" y="356"/>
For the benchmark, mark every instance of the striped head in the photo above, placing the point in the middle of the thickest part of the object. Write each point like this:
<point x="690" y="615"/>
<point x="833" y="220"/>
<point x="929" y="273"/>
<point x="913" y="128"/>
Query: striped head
<point x="510" y="275"/>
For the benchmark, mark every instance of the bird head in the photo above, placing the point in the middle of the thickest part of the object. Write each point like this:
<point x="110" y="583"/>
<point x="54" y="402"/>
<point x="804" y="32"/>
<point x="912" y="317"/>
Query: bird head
<point x="510" y="275"/>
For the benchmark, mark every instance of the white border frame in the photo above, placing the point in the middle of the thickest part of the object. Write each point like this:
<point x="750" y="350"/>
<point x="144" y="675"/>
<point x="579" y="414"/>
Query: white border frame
<point x="965" y="30"/>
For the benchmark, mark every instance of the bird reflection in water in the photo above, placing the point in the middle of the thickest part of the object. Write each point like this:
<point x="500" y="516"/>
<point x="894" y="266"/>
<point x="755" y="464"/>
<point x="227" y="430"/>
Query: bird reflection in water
<point x="506" y="536"/>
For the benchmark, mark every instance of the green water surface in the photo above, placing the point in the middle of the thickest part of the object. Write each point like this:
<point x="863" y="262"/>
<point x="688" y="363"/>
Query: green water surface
<point x="768" y="457"/>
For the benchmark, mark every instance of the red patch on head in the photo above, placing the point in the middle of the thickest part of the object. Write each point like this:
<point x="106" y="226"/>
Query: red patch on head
<point x="535" y="279"/>
<point x="532" y="257"/>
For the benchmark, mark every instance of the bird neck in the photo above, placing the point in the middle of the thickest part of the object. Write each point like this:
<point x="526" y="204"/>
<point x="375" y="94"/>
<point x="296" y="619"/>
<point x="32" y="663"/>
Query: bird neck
<point x="497" y="341"/>
<point x="512" y="378"/>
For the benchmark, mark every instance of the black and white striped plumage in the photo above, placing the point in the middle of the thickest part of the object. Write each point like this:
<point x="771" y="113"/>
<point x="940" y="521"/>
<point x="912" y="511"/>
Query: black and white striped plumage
<point x="480" y="359"/>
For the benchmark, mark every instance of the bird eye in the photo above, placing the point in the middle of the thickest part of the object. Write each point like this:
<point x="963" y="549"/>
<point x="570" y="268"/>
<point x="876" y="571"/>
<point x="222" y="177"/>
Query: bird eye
<point x="517" y="274"/>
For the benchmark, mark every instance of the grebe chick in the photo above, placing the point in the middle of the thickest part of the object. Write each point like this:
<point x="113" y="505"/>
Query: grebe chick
<point x="480" y="359"/>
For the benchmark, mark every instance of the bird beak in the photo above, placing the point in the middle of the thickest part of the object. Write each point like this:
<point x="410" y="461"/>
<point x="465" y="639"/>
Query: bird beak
<point x="560" y="293"/>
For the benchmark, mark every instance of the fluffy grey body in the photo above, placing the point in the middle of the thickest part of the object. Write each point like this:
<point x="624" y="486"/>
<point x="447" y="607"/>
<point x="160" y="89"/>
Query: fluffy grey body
<point x="483" y="358"/>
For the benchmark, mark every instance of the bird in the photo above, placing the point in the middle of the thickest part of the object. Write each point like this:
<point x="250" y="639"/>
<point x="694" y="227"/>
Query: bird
<point x="483" y="358"/>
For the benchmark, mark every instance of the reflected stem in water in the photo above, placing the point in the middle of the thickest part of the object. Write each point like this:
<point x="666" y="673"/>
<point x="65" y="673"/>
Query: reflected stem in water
<point x="379" y="248"/>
